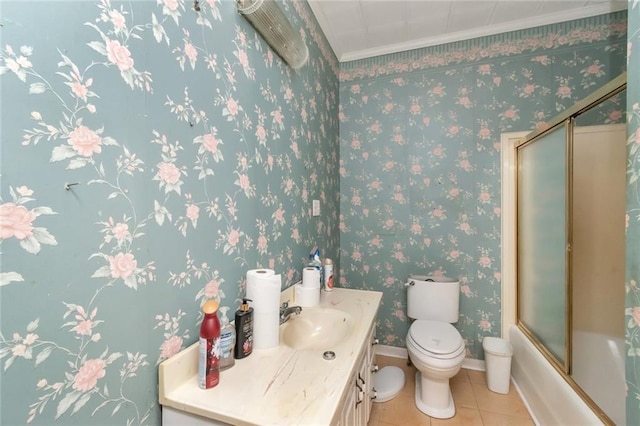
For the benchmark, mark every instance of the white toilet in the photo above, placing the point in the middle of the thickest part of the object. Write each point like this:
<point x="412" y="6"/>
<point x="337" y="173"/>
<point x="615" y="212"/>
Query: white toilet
<point x="435" y="346"/>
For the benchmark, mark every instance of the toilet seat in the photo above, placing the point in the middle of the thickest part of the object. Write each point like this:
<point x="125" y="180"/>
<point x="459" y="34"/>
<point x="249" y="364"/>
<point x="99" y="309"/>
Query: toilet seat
<point x="436" y="339"/>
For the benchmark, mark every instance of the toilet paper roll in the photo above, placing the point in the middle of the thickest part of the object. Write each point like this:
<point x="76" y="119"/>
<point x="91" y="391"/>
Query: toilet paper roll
<point x="311" y="277"/>
<point x="266" y="329"/>
<point x="263" y="288"/>
<point x="256" y="274"/>
<point x="307" y="297"/>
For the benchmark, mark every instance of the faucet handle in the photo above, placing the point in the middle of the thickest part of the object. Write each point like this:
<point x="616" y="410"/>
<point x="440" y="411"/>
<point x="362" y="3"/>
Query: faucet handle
<point x="284" y="305"/>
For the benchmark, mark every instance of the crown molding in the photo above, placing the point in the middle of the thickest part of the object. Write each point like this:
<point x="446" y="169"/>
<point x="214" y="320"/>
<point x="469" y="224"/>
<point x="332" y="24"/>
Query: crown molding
<point x="521" y="24"/>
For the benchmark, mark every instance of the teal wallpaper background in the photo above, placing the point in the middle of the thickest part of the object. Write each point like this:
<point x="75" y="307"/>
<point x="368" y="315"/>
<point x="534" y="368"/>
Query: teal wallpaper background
<point x="420" y="156"/>
<point x="632" y="313"/>
<point x="197" y="153"/>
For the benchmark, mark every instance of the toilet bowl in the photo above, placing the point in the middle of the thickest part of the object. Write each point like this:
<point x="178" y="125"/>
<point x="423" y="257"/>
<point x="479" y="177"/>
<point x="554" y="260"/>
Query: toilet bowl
<point x="437" y="350"/>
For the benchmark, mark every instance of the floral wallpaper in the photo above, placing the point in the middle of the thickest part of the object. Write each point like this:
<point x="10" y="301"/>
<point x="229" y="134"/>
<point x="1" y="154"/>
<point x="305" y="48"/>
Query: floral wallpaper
<point x="420" y="160"/>
<point x="151" y="154"/>
<point x="632" y="313"/>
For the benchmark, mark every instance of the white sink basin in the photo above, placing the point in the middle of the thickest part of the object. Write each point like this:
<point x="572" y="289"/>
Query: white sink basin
<point x="316" y="329"/>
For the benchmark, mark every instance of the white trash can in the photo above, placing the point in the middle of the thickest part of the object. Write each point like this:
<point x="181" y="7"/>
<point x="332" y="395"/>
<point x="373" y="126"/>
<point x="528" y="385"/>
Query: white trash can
<point x="497" y="355"/>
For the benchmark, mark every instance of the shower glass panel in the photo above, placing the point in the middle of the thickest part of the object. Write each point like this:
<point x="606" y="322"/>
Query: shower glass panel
<point x="598" y="255"/>
<point x="571" y="199"/>
<point x="542" y="240"/>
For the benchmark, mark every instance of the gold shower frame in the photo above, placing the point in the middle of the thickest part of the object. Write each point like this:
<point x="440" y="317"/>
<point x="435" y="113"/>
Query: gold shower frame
<point x="565" y="119"/>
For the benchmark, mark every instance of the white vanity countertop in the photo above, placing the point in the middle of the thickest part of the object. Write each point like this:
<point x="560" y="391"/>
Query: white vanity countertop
<point x="279" y="385"/>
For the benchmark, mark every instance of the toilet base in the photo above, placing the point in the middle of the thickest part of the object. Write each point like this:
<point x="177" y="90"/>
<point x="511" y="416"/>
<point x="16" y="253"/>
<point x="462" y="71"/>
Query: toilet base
<point x="438" y="413"/>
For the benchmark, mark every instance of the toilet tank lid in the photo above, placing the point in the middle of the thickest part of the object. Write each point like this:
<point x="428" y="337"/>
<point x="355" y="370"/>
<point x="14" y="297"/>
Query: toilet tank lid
<point x="437" y="279"/>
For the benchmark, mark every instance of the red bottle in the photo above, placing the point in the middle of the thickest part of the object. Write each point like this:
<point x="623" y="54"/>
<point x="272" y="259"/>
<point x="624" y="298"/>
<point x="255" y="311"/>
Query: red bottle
<point x="209" y="368"/>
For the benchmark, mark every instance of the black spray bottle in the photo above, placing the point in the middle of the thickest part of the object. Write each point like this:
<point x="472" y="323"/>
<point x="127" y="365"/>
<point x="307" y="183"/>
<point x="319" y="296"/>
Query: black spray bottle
<point x="244" y="330"/>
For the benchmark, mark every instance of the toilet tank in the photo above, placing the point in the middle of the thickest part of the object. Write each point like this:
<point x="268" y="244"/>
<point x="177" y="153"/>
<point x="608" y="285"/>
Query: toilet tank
<point x="433" y="298"/>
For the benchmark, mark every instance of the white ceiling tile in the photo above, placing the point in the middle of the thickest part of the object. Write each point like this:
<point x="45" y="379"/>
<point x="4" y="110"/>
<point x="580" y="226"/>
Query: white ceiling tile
<point x="345" y="6"/>
<point x="345" y="20"/>
<point x="387" y="34"/>
<point x="382" y="11"/>
<point x="436" y="16"/>
<point x="420" y="30"/>
<point x="511" y="11"/>
<point x="417" y="10"/>
<point x="470" y="14"/>
<point x="554" y="6"/>
<point x="355" y="41"/>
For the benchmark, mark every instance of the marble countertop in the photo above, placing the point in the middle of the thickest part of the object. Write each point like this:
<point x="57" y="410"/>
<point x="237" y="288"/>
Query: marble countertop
<point x="280" y="385"/>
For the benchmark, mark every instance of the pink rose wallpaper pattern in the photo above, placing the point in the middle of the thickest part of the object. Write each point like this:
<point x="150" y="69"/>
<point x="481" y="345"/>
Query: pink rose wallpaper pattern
<point x="198" y="152"/>
<point x="508" y="65"/>
<point x="420" y="156"/>
<point x="151" y="155"/>
<point x="632" y="280"/>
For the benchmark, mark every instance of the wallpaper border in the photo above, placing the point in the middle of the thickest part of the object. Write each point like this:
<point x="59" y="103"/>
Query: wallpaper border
<point x="529" y="40"/>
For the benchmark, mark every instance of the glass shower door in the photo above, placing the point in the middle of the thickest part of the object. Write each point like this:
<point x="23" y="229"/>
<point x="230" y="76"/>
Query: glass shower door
<point x="570" y="246"/>
<point x="542" y="241"/>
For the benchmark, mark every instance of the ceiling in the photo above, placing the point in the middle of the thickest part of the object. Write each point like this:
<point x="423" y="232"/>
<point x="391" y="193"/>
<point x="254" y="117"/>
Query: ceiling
<point x="358" y="29"/>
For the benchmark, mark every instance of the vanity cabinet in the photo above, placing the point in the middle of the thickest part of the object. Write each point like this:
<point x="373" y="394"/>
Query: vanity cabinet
<point x="360" y="393"/>
<point x="349" y="409"/>
<point x="284" y="385"/>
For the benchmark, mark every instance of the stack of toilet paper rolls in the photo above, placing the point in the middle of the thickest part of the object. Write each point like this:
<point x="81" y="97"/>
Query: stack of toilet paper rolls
<point x="308" y="293"/>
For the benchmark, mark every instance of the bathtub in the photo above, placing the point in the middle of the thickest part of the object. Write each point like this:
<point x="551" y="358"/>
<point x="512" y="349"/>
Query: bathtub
<point x="598" y="367"/>
<point x="550" y="399"/>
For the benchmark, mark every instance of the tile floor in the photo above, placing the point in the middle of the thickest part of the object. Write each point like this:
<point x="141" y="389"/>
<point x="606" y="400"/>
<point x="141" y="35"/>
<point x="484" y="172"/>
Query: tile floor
<point x="475" y="403"/>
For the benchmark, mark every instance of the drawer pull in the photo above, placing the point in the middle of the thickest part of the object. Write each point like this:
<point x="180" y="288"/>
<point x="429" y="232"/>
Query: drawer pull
<point x="359" y="395"/>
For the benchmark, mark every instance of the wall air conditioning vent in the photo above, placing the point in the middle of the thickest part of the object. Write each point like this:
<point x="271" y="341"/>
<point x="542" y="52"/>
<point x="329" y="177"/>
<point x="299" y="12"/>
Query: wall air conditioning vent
<point x="269" y="20"/>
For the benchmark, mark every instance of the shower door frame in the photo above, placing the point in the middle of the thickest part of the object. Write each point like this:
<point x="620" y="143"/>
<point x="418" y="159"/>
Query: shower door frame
<point x="566" y="122"/>
<point x="565" y="119"/>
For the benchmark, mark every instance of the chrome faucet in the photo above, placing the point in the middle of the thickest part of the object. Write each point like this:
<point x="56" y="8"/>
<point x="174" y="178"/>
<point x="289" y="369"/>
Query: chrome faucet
<point x="286" y="311"/>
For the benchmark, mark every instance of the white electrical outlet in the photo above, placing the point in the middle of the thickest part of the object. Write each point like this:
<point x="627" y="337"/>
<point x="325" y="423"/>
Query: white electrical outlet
<point x="315" y="208"/>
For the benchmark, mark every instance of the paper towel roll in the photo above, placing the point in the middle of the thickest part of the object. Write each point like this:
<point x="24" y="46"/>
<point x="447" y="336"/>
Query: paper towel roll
<point x="311" y="277"/>
<point x="266" y="329"/>
<point x="263" y="288"/>
<point x="307" y="297"/>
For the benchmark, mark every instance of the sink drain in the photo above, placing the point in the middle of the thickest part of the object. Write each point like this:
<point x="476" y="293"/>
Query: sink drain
<point x="329" y="355"/>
